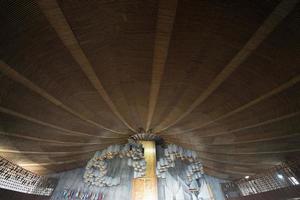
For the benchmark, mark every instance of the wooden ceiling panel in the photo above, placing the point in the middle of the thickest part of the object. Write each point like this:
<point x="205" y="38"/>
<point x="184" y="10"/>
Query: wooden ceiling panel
<point x="118" y="40"/>
<point x="288" y="128"/>
<point x="263" y="72"/>
<point x="20" y="128"/>
<point x="33" y="147"/>
<point x="284" y="105"/>
<point x="242" y="160"/>
<point x="219" y="77"/>
<point x="284" y="145"/>
<point x="41" y="109"/>
<point x="202" y="44"/>
<point x="52" y="70"/>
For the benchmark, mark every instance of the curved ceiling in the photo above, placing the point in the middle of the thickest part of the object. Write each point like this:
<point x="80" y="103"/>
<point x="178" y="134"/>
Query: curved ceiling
<point x="218" y="77"/>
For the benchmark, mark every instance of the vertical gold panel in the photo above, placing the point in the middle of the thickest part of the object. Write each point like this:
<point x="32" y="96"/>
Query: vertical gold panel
<point x="146" y="188"/>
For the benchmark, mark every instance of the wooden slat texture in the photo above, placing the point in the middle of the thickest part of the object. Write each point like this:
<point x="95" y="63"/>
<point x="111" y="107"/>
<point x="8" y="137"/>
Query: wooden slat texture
<point x="280" y="12"/>
<point x="165" y="21"/>
<point x="218" y="77"/>
<point x="59" y="23"/>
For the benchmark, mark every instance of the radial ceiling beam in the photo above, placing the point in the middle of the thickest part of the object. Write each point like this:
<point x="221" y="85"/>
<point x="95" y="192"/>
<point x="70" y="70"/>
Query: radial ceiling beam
<point x="49" y="170"/>
<point x="53" y="153"/>
<point x="221" y="175"/>
<point x="14" y="75"/>
<point x="230" y="171"/>
<point x="199" y="156"/>
<point x="250" y="153"/>
<point x="172" y="140"/>
<point x="43" y="168"/>
<point x="52" y="163"/>
<point x="57" y="142"/>
<point x="270" y="121"/>
<point x="228" y="163"/>
<point x="237" y="151"/>
<point x="202" y="149"/>
<point x="63" y="130"/>
<point x="164" y="28"/>
<point x="253" y="159"/>
<point x="58" y="21"/>
<point x="263" y="97"/>
<point x="274" y="19"/>
<point x="239" y="163"/>
<point x="229" y="168"/>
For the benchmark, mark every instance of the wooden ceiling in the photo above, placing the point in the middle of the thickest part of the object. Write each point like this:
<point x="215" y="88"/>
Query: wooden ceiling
<point x="219" y="77"/>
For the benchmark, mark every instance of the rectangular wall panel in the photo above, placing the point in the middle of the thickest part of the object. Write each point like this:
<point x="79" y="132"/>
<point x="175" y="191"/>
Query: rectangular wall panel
<point x="145" y="188"/>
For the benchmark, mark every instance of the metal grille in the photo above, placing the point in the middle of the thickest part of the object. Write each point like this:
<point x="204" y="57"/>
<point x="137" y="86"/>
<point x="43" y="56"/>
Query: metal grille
<point x="14" y="177"/>
<point x="273" y="179"/>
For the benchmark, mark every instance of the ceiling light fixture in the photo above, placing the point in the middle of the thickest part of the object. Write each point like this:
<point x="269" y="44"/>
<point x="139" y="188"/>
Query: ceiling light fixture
<point x="280" y="176"/>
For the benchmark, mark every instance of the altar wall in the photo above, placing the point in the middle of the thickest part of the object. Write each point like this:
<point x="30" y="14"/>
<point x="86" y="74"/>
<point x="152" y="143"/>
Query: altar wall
<point x="73" y="180"/>
<point x="174" y="186"/>
<point x="171" y="188"/>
